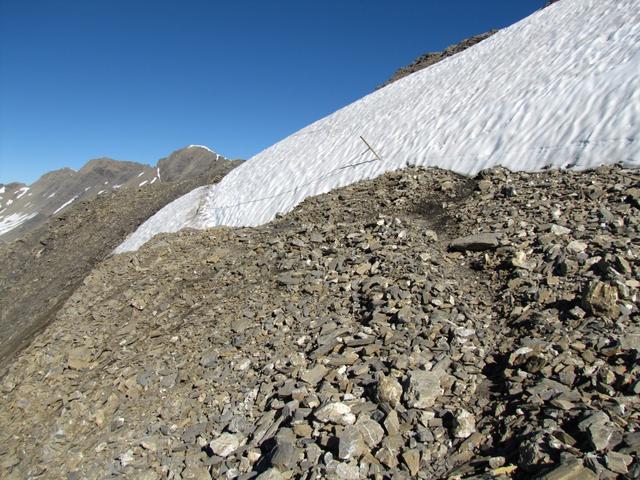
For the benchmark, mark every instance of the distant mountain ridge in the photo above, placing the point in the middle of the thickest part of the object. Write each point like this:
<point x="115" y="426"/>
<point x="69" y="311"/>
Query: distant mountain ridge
<point x="26" y="207"/>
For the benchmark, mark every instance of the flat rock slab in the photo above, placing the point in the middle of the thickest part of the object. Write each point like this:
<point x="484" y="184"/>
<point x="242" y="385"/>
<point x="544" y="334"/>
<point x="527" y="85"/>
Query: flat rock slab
<point x="476" y="243"/>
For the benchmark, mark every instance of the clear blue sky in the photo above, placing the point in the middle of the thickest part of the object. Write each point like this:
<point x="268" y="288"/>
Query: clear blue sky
<point x="135" y="80"/>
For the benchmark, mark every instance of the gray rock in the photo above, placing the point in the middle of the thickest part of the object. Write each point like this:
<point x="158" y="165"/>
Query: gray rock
<point x="346" y="471"/>
<point x="476" y="243"/>
<point x="271" y="474"/>
<point x="371" y="431"/>
<point x="618" y="462"/>
<point x="423" y="389"/>
<point x="285" y="455"/>
<point x="569" y="471"/>
<point x="79" y="358"/>
<point x="351" y="443"/>
<point x="315" y="375"/>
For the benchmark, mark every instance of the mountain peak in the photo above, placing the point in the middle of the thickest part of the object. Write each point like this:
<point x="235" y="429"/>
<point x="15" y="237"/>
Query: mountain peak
<point x="203" y="147"/>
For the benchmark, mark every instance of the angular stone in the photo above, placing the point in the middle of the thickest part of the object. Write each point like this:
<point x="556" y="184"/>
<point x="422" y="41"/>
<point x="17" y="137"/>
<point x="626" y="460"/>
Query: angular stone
<point x="464" y="424"/>
<point x="476" y="243"/>
<point x="618" y="462"/>
<point x="315" y="375"/>
<point x="576" y="246"/>
<point x="336" y="412"/>
<point x="226" y="444"/>
<point x="371" y="431"/>
<point x="271" y="474"/>
<point x="391" y="423"/>
<point x="560" y="230"/>
<point x="412" y="461"/>
<point x="285" y="455"/>
<point x="388" y="390"/>
<point x="350" y="443"/>
<point x="79" y="358"/>
<point x="196" y="472"/>
<point x="389" y="451"/>
<point x="346" y="471"/>
<point x="303" y="430"/>
<point x="570" y="471"/>
<point x="209" y="359"/>
<point x="601" y="298"/>
<point x="599" y="430"/>
<point x="423" y="389"/>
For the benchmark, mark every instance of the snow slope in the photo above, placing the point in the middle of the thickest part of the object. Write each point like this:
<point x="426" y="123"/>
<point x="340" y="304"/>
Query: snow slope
<point x="14" y="220"/>
<point x="558" y="89"/>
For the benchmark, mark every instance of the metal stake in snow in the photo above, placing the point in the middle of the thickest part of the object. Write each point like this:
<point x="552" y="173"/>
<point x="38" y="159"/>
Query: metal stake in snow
<point x="369" y="147"/>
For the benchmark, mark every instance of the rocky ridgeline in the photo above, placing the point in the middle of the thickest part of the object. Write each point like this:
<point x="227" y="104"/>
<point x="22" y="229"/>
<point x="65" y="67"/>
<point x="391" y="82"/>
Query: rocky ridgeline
<point x="420" y="325"/>
<point x="431" y="58"/>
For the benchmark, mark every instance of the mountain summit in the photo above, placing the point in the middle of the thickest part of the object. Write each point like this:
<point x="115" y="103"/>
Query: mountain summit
<point x="24" y="208"/>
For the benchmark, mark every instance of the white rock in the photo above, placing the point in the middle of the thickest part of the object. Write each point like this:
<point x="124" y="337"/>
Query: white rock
<point x="464" y="424"/>
<point x="226" y="444"/>
<point x="559" y="230"/>
<point x="336" y="412"/>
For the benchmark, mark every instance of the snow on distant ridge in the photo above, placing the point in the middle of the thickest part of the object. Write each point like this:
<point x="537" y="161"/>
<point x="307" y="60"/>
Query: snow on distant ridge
<point x="201" y="146"/>
<point x="22" y="191"/>
<point x="559" y="89"/>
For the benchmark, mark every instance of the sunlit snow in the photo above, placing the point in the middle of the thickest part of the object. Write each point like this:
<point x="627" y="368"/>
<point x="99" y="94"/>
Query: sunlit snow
<point x="64" y="205"/>
<point x="201" y="146"/>
<point x="14" y="220"/>
<point x="21" y="193"/>
<point x="559" y="89"/>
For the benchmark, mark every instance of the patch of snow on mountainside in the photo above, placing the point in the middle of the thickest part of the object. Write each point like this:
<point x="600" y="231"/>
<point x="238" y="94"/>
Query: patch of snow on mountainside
<point x="559" y="89"/>
<point x="21" y="193"/>
<point x="14" y="220"/>
<point x="64" y="204"/>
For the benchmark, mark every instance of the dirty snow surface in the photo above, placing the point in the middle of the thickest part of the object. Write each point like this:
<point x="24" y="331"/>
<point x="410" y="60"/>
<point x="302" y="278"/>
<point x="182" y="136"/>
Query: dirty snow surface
<point x="558" y="89"/>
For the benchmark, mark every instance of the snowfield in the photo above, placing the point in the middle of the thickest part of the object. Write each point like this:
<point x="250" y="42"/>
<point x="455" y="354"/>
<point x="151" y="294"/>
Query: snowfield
<point x="14" y="220"/>
<point x="559" y="89"/>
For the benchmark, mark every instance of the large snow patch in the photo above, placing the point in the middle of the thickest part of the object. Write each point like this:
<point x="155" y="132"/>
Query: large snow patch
<point x="558" y="89"/>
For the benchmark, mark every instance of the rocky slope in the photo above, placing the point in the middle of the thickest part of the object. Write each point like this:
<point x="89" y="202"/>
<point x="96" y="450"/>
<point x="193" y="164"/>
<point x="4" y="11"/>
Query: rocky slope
<point x="420" y="325"/>
<point x="24" y="208"/>
<point x="40" y="270"/>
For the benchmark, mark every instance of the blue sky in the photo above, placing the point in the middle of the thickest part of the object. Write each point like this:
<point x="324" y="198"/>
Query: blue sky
<point x="135" y="80"/>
